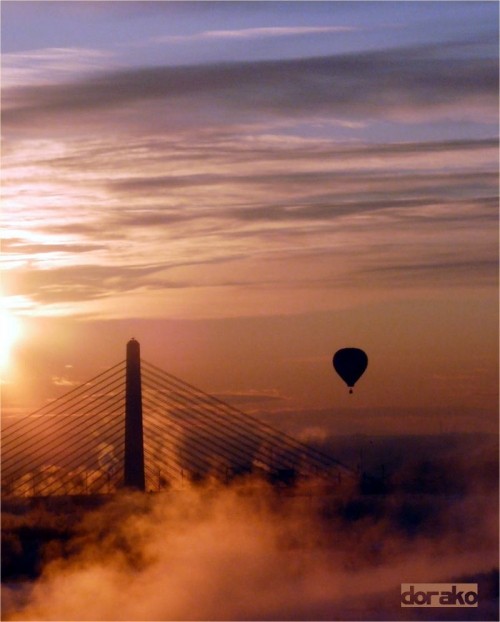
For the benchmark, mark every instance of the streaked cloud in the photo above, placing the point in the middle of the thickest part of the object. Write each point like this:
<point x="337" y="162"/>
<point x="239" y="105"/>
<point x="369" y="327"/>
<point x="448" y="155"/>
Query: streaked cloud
<point x="481" y="270"/>
<point x="49" y="65"/>
<point x="243" y="186"/>
<point x="216" y="176"/>
<point x="256" y="33"/>
<point x="236" y="211"/>
<point x="410" y="84"/>
<point x="252" y="399"/>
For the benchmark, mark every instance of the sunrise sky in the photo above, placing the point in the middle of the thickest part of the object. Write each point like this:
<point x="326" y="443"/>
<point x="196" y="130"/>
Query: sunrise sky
<point x="246" y="187"/>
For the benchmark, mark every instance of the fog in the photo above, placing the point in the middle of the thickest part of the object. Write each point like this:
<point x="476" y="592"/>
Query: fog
<point x="252" y="551"/>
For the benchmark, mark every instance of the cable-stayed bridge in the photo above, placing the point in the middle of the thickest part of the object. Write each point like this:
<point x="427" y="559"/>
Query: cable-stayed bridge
<point x="137" y="426"/>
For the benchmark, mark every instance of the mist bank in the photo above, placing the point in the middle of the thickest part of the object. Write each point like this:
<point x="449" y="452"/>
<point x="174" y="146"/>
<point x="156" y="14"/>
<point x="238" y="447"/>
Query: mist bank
<point x="251" y="550"/>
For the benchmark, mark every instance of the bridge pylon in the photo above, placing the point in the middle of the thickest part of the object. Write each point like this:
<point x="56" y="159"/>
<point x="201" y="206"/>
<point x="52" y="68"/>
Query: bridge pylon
<point x="133" y="476"/>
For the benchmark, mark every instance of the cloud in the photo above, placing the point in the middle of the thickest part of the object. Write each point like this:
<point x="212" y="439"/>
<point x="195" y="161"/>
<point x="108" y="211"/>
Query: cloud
<point x="251" y="399"/>
<point x="48" y="65"/>
<point x="330" y="424"/>
<point x="477" y="270"/>
<point x="255" y="33"/>
<point x="249" y="551"/>
<point x="22" y="247"/>
<point x="190" y="208"/>
<point x="77" y="282"/>
<point x="381" y="84"/>
<point x="342" y="180"/>
<point x="61" y="381"/>
<point x="371" y="215"/>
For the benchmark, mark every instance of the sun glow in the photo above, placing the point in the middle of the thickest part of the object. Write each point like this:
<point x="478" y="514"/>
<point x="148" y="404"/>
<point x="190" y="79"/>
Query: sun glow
<point x="10" y="331"/>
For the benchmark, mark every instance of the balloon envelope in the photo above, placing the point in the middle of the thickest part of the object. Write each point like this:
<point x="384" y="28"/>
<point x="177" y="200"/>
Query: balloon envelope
<point x="350" y="364"/>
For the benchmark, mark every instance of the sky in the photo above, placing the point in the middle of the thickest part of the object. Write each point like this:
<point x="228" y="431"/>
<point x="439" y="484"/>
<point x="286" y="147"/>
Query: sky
<point x="246" y="187"/>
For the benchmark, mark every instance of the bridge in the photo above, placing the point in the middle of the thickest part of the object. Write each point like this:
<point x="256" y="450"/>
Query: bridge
<point x="137" y="426"/>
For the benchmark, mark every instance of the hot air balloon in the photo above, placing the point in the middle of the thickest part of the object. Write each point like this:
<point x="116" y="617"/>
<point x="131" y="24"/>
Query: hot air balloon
<point x="350" y="364"/>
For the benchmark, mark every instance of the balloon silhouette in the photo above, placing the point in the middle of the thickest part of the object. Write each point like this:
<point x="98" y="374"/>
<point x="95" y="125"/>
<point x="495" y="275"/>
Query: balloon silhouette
<point x="350" y="364"/>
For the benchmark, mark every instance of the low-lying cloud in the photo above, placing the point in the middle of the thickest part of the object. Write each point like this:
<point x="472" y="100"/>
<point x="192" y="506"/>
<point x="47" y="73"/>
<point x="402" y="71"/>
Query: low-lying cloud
<point x="251" y="551"/>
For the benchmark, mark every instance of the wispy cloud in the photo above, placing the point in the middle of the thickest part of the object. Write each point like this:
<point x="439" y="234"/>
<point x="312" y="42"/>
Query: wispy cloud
<point x="410" y="83"/>
<point x="252" y="399"/>
<point x="204" y="183"/>
<point x="256" y="33"/>
<point x="236" y="211"/>
<point x="480" y="270"/>
<point x="49" y="65"/>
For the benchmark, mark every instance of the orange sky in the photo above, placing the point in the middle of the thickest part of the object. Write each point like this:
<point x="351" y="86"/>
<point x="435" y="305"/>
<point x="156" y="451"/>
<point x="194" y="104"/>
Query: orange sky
<point x="245" y="217"/>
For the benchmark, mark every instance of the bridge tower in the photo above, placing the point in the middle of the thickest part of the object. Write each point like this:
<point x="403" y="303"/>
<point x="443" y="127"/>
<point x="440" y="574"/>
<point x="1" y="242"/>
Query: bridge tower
<point x="134" y="444"/>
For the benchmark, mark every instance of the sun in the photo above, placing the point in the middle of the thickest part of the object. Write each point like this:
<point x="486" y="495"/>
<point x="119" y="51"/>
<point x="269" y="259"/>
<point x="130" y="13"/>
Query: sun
<point x="10" y="331"/>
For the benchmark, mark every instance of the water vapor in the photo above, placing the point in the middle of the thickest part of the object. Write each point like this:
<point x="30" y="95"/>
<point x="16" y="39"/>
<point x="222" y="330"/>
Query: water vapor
<point x="251" y="551"/>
